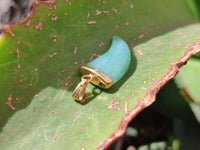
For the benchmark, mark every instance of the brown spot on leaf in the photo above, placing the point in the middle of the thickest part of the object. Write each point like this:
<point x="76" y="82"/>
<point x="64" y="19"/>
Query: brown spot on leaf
<point x="17" y="100"/>
<point x="140" y="52"/>
<point x="75" y="63"/>
<point x="75" y="50"/>
<point x="54" y="18"/>
<point x="81" y="128"/>
<point x="63" y="71"/>
<point x="114" y="10"/>
<point x="18" y="42"/>
<point x="88" y="15"/>
<point x="106" y="12"/>
<point x="36" y="70"/>
<point x="131" y="6"/>
<point x="52" y="6"/>
<point x="9" y="102"/>
<point x="133" y="95"/>
<point x="52" y="55"/>
<point x="114" y="104"/>
<point x="52" y="112"/>
<point x="141" y="36"/>
<point x="54" y="40"/>
<point x="98" y="12"/>
<point x="66" y="84"/>
<point x="39" y="26"/>
<point x="156" y="72"/>
<point x="92" y="56"/>
<point x="101" y="44"/>
<point x="36" y="95"/>
<point x="116" y="26"/>
<point x="127" y="23"/>
<point x="18" y="53"/>
<point x="8" y="29"/>
<point x="21" y="80"/>
<point x="91" y="22"/>
<point x="27" y="23"/>
<point x="126" y="107"/>
<point x="68" y="2"/>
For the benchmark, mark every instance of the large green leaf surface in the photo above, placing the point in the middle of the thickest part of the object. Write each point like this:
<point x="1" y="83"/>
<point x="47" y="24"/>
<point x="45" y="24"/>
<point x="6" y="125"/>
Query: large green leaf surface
<point x="39" y="62"/>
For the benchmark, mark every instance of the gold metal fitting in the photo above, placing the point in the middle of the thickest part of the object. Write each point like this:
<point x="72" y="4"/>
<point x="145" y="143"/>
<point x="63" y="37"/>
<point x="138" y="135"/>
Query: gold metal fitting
<point x="92" y="75"/>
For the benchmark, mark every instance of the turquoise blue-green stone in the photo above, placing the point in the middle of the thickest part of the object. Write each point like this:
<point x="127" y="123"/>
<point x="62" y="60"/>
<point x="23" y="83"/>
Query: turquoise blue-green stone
<point x="115" y="62"/>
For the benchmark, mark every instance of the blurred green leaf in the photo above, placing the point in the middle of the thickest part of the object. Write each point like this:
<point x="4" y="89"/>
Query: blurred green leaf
<point x="170" y="102"/>
<point x="194" y="6"/>
<point x="154" y="146"/>
<point x="188" y="81"/>
<point x="180" y="100"/>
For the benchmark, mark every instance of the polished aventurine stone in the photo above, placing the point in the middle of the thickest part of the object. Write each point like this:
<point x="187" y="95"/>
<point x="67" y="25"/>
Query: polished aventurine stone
<point x="115" y="62"/>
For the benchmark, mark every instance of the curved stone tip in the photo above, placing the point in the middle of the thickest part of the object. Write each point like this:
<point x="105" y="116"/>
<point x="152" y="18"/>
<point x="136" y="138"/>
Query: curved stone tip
<point x="115" y="62"/>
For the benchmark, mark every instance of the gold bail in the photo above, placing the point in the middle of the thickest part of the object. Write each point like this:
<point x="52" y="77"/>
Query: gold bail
<point x="80" y="89"/>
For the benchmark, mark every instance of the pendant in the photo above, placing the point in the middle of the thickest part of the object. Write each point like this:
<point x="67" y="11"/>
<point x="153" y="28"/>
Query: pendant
<point x="105" y="70"/>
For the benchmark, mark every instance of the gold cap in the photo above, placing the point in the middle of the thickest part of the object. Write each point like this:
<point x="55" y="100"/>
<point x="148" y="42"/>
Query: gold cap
<point x="90" y="74"/>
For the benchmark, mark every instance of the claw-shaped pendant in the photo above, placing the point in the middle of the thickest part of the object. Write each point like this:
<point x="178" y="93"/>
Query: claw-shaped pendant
<point x="105" y="70"/>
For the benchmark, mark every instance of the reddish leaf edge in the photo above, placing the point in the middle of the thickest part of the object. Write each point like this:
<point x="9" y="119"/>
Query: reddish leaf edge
<point x="150" y="96"/>
<point x="36" y="4"/>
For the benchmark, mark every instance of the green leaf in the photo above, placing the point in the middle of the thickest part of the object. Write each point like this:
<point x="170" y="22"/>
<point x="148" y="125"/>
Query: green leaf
<point x="188" y="81"/>
<point x="39" y="61"/>
<point x="170" y="102"/>
<point x="194" y="6"/>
